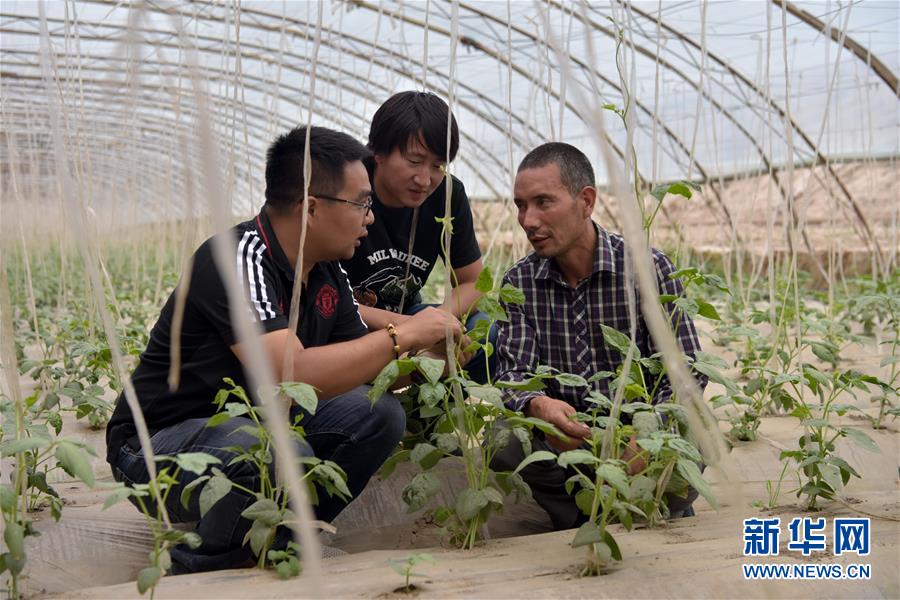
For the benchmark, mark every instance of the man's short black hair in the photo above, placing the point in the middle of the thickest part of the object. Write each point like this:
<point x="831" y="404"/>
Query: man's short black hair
<point x="575" y="169"/>
<point x="405" y="116"/>
<point x="329" y="151"/>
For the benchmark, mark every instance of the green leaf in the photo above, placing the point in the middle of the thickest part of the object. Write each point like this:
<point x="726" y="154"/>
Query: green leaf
<point x="715" y="375"/>
<point x="288" y="568"/>
<point x="217" y="419"/>
<point x="431" y="394"/>
<point x="589" y="533"/>
<point x="691" y="472"/>
<point x="74" y="460"/>
<point x="615" y="476"/>
<point x="117" y="495"/>
<point x="705" y="309"/>
<point x="7" y="498"/>
<point x="584" y="500"/>
<point x="187" y="490"/>
<point x="651" y="445"/>
<point x="513" y="482"/>
<point x="426" y="455"/>
<point x="447" y="442"/>
<point x="301" y="393"/>
<point x="336" y="476"/>
<point x="147" y="578"/>
<point x="485" y="281"/>
<point x="214" y="490"/>
<point x="577" y="457"/>
<point x="486" y="393"/>
<point x="824" y="352"/>
<point x="11" y="447"/>
<point x="534" y="384"/>
<point x="861" y="439"/>
<point x="431" y="368"/>
<point x="192" y="540"/>
<point x="14" y="536"/>
<point x="418" y="491"/>
<point x="195" y="462"/>
<point x="831" y="475"/>
<point x="469" y="503"/>
<point x="535" y="457"/>
<point x="391" y="463"/>
<point x="258" y="536"/>
<point x="617" y="340"/>
<point x="613" y="546"/>
<point x="645" y="423"/>
<point x="511" y="294"/>
<point x="265" y="511"/>
<point x="492" y="308"/>
<point x="571" y="380"/>
<point x="383" y="381"/>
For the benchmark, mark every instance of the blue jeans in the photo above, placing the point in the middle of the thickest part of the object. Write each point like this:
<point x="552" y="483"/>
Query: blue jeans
<point x="479" y="366"/>
<point x="345" y="429"/>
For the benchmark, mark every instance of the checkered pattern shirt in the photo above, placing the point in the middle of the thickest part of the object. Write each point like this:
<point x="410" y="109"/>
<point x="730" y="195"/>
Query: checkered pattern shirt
<point x="559" y="326"/>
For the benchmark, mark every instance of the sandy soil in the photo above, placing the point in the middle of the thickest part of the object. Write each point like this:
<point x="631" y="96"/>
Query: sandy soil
<point x="92" y="553"/>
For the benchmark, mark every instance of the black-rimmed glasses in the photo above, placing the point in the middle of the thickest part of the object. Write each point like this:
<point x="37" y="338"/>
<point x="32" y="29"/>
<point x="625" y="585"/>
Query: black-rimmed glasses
<point x="367" y="203"/>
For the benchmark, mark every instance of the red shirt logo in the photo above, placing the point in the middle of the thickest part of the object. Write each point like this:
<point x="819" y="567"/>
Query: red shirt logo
<point x="327" y="301"/>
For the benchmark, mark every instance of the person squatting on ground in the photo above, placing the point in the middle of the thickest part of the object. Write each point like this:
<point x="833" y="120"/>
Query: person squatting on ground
<point x="574" y="281"/>
<point x="408" y="140"/>
<point x="331" y="350"/>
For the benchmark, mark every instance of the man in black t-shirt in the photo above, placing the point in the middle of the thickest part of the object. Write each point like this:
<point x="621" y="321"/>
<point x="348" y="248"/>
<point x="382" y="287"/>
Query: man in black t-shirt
<point x="408" y="139"/>
<point x="332" y="349"/>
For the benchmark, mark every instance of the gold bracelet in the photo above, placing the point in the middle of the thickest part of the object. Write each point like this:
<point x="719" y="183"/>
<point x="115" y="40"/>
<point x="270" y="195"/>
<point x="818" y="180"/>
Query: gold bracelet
<point x="392" y="331"/>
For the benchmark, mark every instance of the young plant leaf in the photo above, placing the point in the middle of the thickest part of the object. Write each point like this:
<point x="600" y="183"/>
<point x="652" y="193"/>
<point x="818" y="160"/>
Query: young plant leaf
<point x="469" y="503"/>
<point x="861" y="439"/>
<point x="485" y="281"/>
<point x="431" y="368"/>
<point x="147" y="578"/>
<point x="214" y="490"/>
<point x="535" y="457"/>
<point x="691" y="472"/>
<point x="195" y="462"/>
<point x="589" y="533"/>
<point x="74" y="460"/>
<point x="577" y="457"/>
<point x="265" y="511"/>
<point x="301" y="393"/>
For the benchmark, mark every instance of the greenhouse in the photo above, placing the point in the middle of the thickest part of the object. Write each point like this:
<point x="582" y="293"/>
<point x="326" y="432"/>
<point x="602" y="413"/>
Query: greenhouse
<point x="621" y="317"/>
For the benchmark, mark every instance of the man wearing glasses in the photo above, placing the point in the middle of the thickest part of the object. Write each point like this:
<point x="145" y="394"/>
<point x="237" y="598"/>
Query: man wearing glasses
<point x="332" y="349"/>
<point x="408" y="139"/>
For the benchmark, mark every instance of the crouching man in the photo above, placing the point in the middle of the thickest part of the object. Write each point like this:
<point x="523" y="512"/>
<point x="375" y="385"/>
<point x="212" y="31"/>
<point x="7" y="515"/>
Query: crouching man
<point x="573" y="282"/>
<point x="332" y="349"/>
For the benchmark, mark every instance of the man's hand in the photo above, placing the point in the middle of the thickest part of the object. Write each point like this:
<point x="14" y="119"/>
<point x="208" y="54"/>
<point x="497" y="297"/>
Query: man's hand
<point x="633" y="455"/>
<point x="439" y="351"/>
<point x="559" y="413"/>
<point x="426" y="328"/>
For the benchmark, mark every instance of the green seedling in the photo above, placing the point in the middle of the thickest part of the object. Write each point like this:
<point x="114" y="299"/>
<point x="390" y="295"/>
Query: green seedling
<point x="405" y="567"/>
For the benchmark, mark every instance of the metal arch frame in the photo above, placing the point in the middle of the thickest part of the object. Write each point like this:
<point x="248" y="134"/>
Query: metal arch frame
<point x="666" y="129"/>
<point x="818" y="159"/>
<point x="258" y="79"/>
<point x="484" y="118"/>
<point x="734" y="73"/>
<point x="863" y="53"/>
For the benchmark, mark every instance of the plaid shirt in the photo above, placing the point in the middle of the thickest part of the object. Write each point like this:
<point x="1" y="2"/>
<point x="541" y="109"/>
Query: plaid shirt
<point x="559" y="326"/>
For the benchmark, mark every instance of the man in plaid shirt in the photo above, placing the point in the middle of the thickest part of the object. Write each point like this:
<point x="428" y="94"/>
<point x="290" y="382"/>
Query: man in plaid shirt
<point x="573" y="282"/>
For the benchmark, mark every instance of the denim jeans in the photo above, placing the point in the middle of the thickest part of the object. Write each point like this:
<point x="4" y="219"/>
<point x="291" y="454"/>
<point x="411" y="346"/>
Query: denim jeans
<point x="479" y="366"/>
<point x="346" y="429"/>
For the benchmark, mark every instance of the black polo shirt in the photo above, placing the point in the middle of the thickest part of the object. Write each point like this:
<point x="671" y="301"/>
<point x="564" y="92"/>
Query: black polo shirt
<point x="378" y="269"/>
<point x="328" y="314"/>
